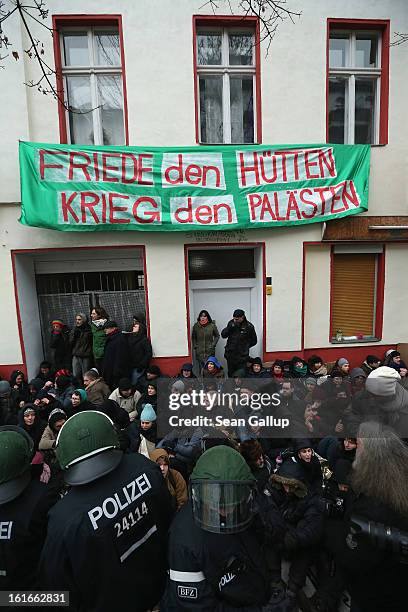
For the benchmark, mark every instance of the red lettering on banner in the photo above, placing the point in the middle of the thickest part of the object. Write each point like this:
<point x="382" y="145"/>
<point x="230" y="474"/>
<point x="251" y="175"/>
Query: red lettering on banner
<point x="188" y="209"/>
<point x="351" y="196"/>
<point x="95" y="165"/>
<point x="267" y="208"/>
<point x="326" y="158"/>
<point x="292" y="205"/>
<point x="149" y="216"/>
<point x="321" y="191"/>
<point x="132" y="179"/>
<point x="243" y="169"/>
<point x="203" y="214"/>
<point x="255" y="200"/>
<point x="309" y="163"/>
<point x="217" y="207"/>
<point x="106" y="167"/>
<point x="104" y="207"/>
<point x="66" y="206"/>
<point x="93" y="201"/>
<point x="43" y="165"/>
<point x="143" y="169"/>
<point x="302" y="198"/>
<point x="273" y="178"/>
<point x="81" y="165"/>
<point x="276" y="204"/>
<point x="337" y="198"/>
<point x="113" y="208"/>
<point x="193" y="174"/>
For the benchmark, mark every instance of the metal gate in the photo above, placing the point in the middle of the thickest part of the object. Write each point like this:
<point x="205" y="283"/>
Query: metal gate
<point x="120" y="305"/>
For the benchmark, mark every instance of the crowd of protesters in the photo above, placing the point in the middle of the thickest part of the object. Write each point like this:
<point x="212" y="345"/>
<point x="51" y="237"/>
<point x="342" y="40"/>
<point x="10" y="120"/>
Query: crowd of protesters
<point x="304" y="474"/>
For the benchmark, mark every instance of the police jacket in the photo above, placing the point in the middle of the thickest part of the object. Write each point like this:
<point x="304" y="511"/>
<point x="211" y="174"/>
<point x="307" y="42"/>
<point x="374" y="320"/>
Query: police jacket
<point x="23" y="526"/>
<point x="214" y="572"/>
<point x="106" y="540"/>
<point x="240" y="338"/>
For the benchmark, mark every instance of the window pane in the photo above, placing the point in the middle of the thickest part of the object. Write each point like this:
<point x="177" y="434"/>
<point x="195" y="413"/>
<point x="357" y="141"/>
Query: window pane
<point x="364" y="132"/>
<point x="111" y="110"/>
<point x="208" y="49"/>
<point x="337" y="110"/>
<point x="79" y="99"/>
<point x="366" y="50"/>
<point x="76" y="49"/>
<point x="242" y="109"/>
<point x="211" y="109"/>
<point x="107" y="49"/>
<point x="338" y="51"/>
<point x="241" y="49"/>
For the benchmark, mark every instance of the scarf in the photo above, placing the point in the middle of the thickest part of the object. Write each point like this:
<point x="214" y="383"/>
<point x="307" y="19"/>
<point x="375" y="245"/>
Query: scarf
<point x="99" y="322"/>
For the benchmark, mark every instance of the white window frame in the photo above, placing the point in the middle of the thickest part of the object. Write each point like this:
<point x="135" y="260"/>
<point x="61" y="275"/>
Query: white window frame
<point x="349" y="74"/>
<point x="226" y="71"/>
<point x="93" y="70"/>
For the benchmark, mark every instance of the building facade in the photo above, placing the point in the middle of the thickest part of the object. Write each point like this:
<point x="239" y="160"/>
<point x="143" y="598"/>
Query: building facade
<point x="167" y="73"/>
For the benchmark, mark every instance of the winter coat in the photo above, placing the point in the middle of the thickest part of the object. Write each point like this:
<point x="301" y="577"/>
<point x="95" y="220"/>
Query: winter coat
<point x="64" y="396"/>
<point x="80" y="338"/>
<point x="185" y="448"/>
<point x="48" y="440"/>
<point x="22" y="393"/>
<point x="127" y="403"/>
<point x="140" y="348"/>
<point x="240" y="338"/>
<point x="146" y="399"/>
<point x="136" y="433"/>
<point x="60" y="344"/>
<point x="393" y="412"/>
<point x="98" y="340"/>
<point x="97" y="391"/>
<point x="35" y="431"/>
<point x="116" y="359"/>
<point x="118" y="415"/>
<point x="204" y="339"/>
<point x="174" y="480"/>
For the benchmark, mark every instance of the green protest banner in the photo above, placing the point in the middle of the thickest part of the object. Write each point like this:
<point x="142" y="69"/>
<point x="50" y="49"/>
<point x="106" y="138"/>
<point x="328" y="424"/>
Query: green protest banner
<point x="87" y="188"/>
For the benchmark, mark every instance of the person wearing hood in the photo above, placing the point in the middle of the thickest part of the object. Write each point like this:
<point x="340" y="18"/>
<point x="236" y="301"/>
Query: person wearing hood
<point x="258" y="462"/>
<point x="46" y="401"/>
<point x="24" y="506"/>
<point x="126" y="397"/>
<point x="304" y="455"/>
<point x="371" y="363"/>
<point x="150" y="397"/>
<point x="241" y="336"/>
<point x="317" y="368"/>
<point x="257" y="370"/>
<point x="140" y="350"/>
<point x="96" y="388"/>
<point x="394" y="361"/>
<point x="298" y="367"/>
<point x="302" y="522"/>
<point x="174" y="480"/>
<point x="80" y="338"/>
<point x="116" y="356"/>
<point x="60" y="345"/>
<point x="153" y="372"/>
<point x="48" y="440"/>
<point x="216" y="553"/>
<point x="338" y="449"/>
<point x="143" y="433"/>
<point x="79" y="402"/>
<point x="35" y="386"/>
<point x="7" y="410"/>
<point x="20" y="392"/>
<point x="390" y="399"/>
<point x="29" y="420"/>
<point x="187" y="376"/>
<point x="205" y="337"/>
<point x="213" y="369"/>
<point x="357" y="378"/>
<point x="45" y="372"/>
<point x="278" y="371"/>
<point x="64" y="388"/>
<point x="99" y="316"/>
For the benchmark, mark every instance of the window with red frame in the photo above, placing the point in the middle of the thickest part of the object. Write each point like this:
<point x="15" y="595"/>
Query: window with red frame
<point x="92" y="82"/>
<point x="226" y="84"/>
<point x="357" y="83"/>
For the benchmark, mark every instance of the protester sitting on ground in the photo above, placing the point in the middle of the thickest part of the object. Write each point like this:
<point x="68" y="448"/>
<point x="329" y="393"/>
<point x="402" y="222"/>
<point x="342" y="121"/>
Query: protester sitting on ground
<point x="305" y="456"/>
<point x="96" y="388"/>
<point x="298" y="367"/>
<point x="140" y="349"/>
<point x="35" y="386"/>
<point x="153" y="372"/>
<point x="310" y="386"/>
<point x="118" y="415"/>
<point x="7" y="410"/>
<point x="149" y="397"/>
<point x="29" y="420"/>
<point x="257" y="370"/>
<point x="336" y="449"/>
<point x="99" y="316"/>
<point x="213" y="369"/>
<point x="126" y="397"/>
<point x="394" y="361"/>
<point x="258" y="462"/>
<point x="143" y="433"/>
<point x="48" y="440"/>
<point x="46" y="401"/>
<point x="186" y="372"/>
<point x="357" y="378"/>
<point x="277" y="371"/>
<point x="204" y="338"/>
<point x="371" y="363"/>
<point x="342" y="366"/>
<point x="79" y="402"/>
<point x="60" y="345"/>
<point x="45" y="372"/>
<point x="317" y="368"/>
<point x="20" y="392"/>
<point x="174" y="480"/>
<point x="183" y="447"/>
<point x="404" y="377"/>
<point x="64" y="387"/>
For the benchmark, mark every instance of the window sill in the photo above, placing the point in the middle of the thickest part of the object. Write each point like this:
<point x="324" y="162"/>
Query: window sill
<point x="355" y="340"/>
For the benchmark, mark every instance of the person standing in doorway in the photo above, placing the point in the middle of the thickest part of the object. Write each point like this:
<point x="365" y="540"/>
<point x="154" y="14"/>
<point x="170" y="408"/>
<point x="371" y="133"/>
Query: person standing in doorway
<point x="99" y="316"/>
<point x="204" y="336"/>
<point x="80" y="338"/>
<point x="241" y="336"/>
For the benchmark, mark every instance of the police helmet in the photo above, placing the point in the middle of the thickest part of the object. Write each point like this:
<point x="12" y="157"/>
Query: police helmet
<point x="16" y="451"/>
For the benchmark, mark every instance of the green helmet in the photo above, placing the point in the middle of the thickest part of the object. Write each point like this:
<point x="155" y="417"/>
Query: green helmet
<point x="222" y="491"/>
<point x="87" y="447"/>
<point x="16" y="449"/>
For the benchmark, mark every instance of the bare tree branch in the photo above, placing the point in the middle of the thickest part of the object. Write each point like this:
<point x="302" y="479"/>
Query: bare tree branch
<point x="400" y="39"/>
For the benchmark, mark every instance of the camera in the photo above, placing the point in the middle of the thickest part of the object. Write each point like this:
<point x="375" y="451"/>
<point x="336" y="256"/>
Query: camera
<point x="383" y="537"/>
<point x="333" y="508"/>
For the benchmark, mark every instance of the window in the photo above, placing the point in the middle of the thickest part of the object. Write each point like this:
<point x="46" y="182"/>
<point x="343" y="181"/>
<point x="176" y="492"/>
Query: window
<point x="224" y="263"/>
<point x="227" y="85"/>
<point x="356" y="297"/>
<point x="357" y="84"/>
<point x="92" y="84"/>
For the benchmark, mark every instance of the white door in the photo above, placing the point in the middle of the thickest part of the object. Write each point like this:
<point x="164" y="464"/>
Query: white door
<point x="221" y="297"/>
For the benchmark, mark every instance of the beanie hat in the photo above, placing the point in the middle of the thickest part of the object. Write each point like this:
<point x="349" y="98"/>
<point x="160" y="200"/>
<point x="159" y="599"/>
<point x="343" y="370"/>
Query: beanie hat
<point x="388" y="353"/>
<point x="382" y="381"/>
<point x="37" y="383"/>
<point x="148" y="413"/>
<point x="372" y="359"/>
<point x="58" y="322"/>
<point x="179" y="386"/>
<point x="279" y="362"/>
<point x="300" y="443"/>
<point x="82" y="394"/>
<point x="62" y="381"/>
<point x="342" y="361"/>
<point x="257" y="360"/>
<point x="310" y="381"/>
<point x="124" y="384"/>
<point x="238" y="313"/>
<point x="355" y="372"/>
<point x="5" y="388"/>
<point x="394" y="354"/>
<point x="187" y="366"/>
<point x="153" y="369"/>
<point x="95" y="371"/>
<point x="56" y="415"/>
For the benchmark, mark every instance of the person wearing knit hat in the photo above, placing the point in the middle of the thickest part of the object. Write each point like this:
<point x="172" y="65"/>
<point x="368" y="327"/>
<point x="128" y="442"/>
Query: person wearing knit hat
<point x="148" y="414"/>
<point x="126" y="396"/>
<point x="343" y="366"/>
<point x="80" y="338"/>
<point x="383" y="381"/>
<point x="391" y="398"/>
<point x="143" y="433"/>
<point x="60" y="345"/>
<point x="48" y="440"/>
<point x="241" y="336"/>
<point x="29" y="420"/>
<point x="371" y="363"/>
<point x="394" y="361"/>
<point x="79" y="402"/>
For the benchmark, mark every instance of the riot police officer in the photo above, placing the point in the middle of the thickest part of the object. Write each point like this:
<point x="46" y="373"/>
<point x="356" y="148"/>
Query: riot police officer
<point x="216" y="555"/>
<point x="106" y="539"/>
<point x="24" y="503"/>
